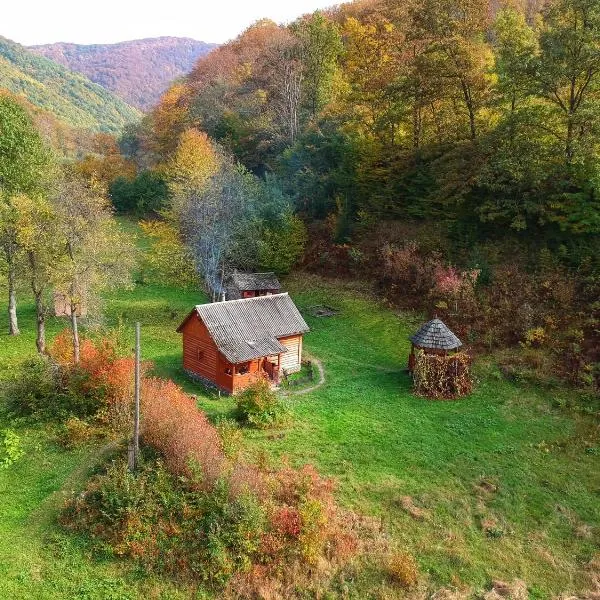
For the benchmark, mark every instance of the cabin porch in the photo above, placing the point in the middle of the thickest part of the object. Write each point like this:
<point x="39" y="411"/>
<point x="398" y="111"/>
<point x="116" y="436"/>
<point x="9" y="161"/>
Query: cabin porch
<point x="236" y="377"/>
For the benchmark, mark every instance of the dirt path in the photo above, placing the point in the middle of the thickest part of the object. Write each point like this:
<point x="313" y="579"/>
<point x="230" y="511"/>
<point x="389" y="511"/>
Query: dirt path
<point x="317" y="363"/>
<point x="367" y="365"/>
<point x="322" y="378"/>
<point x="47" y="510"/>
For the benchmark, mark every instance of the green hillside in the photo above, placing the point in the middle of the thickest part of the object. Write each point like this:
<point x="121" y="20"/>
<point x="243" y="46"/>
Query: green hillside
<point x="70" y="96"/>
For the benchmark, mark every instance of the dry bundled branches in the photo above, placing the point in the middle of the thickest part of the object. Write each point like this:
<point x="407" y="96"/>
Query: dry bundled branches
<point x="442" y="376"/>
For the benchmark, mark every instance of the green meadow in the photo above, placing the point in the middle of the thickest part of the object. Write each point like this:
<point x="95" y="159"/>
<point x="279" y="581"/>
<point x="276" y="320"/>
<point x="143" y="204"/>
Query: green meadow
<point x="503" y="484"/>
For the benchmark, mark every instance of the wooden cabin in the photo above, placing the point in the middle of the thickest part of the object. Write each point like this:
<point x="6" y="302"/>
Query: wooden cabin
<point x="249" y="285"/>
<point x="234" y="343"/>
<point x="62" y="306"/>
<point x="433" y="338"/>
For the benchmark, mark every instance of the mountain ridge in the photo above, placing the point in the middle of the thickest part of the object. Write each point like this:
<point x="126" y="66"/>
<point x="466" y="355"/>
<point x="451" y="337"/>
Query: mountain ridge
<point x="138" y="71"/>
<point x="70" y="96"/>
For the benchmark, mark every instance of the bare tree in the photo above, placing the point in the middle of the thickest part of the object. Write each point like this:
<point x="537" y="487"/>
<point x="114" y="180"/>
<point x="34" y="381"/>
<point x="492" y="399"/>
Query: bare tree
<point x="282" y="75"/>
<point x="212" y="217"/>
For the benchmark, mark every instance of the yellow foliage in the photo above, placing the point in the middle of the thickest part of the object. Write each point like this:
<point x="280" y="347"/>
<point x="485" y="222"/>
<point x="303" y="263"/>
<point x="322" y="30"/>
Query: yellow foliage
<point x="403" y="569"/>
<point x="535" y="337"/>
<point x="195" y="160"/>
<point x="168" y="257"/>
<point x="168" y="119"/>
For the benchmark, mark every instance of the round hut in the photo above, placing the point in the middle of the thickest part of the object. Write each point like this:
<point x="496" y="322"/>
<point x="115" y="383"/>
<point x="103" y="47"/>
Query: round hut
<point x="433" y="338"/>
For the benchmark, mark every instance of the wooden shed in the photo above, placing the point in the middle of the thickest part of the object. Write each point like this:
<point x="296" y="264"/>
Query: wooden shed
<point x="62" y="306"/>
<point x="234" y="343"/>
<point x="249" y="285"/>
<point x="434" y="338"/>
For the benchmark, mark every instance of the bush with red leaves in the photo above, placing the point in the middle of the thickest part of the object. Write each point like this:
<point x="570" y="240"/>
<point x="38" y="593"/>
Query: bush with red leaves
<point x="195" y="513"/>
<point x="173" y="425"/>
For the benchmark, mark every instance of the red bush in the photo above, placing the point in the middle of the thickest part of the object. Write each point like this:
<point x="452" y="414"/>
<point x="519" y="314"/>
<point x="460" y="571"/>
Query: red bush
<point x="286" y="521"/>
<point x="173" y="425"/>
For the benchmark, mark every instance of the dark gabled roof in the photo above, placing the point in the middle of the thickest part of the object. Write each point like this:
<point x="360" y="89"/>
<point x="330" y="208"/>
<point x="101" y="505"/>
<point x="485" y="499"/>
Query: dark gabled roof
<point x="248" y="329"/>
<point x="254" y="281"/>
<point x="435" y="335"/>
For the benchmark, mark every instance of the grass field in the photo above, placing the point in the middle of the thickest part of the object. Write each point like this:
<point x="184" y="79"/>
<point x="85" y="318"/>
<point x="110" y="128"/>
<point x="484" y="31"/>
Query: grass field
<point x="507" y="482"/>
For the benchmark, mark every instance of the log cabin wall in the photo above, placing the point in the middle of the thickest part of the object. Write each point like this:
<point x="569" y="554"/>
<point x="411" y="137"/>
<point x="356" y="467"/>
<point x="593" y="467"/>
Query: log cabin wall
<point x="202" y="357"/>
<point x="200" y="353"/>
<point x="291" y="361"/>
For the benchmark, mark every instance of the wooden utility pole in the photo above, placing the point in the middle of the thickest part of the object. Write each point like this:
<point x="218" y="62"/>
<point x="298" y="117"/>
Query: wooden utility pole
<point x="135" y="447"/>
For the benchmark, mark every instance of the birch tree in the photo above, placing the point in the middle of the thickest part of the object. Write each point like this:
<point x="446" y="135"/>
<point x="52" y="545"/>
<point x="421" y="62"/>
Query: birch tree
<point x="25" y="167"/>
<point x="37" y="236"/>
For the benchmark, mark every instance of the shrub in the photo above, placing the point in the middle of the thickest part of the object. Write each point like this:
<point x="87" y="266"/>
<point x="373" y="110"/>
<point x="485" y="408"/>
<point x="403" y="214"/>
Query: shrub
<point x="10" y="448"/>
<point x="101" y="385"/>
<point x="312" y="536"/>
<point x="260" y="406"/>
<point x="194" y="514"/>
<point x="403" y="569"/>
<point x="76" y="432"/>
<point x="408" y="269"/>
<point x="231" y="437"/>
<point x="34" y="388"/>
<point x="172" y="424"/>
<point x="440" y="376"/>
<point x="153" y="517"/>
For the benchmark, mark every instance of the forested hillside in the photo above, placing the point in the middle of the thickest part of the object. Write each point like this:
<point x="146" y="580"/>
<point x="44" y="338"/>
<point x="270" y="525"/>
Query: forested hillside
<point x="447" y="149"/>
<point x="138" y="71"/>
<point x="425" y="109"/>
<point x="69" y="96"/>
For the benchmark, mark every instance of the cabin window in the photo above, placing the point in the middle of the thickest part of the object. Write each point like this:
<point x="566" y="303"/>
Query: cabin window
<point x="243" y="369"/>
<point x="228" y="371"/>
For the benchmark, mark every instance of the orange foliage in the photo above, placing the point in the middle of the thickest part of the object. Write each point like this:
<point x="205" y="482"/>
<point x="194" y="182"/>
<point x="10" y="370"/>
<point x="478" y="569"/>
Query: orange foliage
<point x="105" y="371"/>
<point x="61" y="349"/>
<point x="105" y="163"/>
<point x="173" y="425"/>
<point x="168" y="119"/>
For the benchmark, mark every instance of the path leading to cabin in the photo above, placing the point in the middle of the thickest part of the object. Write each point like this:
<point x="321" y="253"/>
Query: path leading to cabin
<point x="367" y="365"/>
<point x="322" y="378"/>
<point x="317" y="363"/>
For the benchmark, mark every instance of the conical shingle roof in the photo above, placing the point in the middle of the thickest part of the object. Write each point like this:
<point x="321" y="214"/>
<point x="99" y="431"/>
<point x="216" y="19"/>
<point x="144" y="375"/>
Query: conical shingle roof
<point x="435" y="335"/>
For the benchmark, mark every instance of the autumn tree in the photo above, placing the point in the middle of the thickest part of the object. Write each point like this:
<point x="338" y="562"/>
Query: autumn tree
<point x="212" y="215"/>
<point x="282" y="74"/>
<point x="321" y="45"/>
<point x="106" y="163"/>
<point x="38" y="237"/>
<point x="192" y="163"/>
<point x="516" y="49"/>
<point x="569" y="71"/>
<point x="168" y="258"/>
<point x="373" y="65"/>
<point x="454" y="53"/>
<point x="25" y="168"/>
<point x="167" y="121"/>
<point x="96" y="254"/>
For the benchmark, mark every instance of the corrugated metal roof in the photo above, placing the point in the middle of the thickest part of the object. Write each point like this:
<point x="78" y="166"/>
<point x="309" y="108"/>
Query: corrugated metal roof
<point x="436" y="336"/>
<point x="249" y="328"/>
<point x="255" y="281"/>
